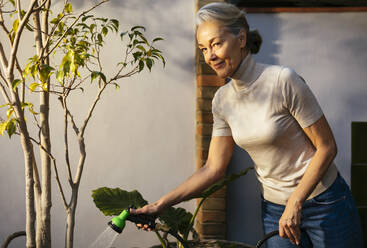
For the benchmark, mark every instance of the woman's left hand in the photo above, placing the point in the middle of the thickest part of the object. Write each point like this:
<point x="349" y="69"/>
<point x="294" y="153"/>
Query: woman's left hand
<point x="289" y="223"/>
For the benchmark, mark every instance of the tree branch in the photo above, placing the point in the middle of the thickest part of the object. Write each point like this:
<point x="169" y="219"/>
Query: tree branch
<point x="98" y="97"/>
<point x="15" y="46"/>
<point x="36" y="178"/>
<point x="66" y="142"/>
<point x="11" y="237"/>
<point x="3" y="89"/>
<point x="56" y="171"/>
<point x="4" y="61"/>
<point x="19" y="8"/>
<point x="75" y="21"/>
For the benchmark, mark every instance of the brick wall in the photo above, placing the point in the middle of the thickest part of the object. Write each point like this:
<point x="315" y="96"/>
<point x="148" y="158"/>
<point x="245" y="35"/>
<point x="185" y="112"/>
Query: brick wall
<point x="211" y="220"/>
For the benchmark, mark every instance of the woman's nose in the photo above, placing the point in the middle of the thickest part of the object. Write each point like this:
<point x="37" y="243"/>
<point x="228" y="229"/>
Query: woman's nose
<point x="211" y="55"/>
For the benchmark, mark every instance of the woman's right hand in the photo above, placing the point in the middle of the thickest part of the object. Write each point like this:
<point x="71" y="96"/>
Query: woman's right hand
<point x="150" y="209"/>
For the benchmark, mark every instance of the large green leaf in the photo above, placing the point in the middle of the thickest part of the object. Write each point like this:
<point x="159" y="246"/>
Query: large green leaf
<point x="176" y="218"/>
<point x="114" y="201"/>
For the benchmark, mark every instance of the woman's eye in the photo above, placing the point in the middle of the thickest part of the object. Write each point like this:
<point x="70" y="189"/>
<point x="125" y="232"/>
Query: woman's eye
<point x="203" y="50"/>
<point x="216" y="44"/>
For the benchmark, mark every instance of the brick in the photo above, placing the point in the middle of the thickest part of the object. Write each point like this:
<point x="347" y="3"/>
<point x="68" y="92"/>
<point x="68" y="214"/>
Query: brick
<point x="203" y="142"/>
<point x="211" y="216"/>
<point x="204" y="104"/>
<point x="216" y="230"/>
<point x="201" y="154"/>
<point x="221" y="193"/>
<point x="204" y="129"/>
<point x="214" y="204"/>
<point x="209" y="80"/>
<point x="204" y="69"/>
<point x="200" y="163"/>
<point x="206" y="92"/>
<point x="204" y="117"/>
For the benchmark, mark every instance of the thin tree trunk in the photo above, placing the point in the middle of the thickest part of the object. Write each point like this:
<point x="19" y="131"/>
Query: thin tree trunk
<point x="43" y="231"/>
<point x="70" y="221"/>
<point x="28" y="159"/>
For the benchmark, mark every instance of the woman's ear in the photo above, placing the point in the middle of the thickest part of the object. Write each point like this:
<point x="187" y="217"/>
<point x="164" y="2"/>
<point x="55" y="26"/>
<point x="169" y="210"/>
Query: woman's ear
<point x="242" y="37"/>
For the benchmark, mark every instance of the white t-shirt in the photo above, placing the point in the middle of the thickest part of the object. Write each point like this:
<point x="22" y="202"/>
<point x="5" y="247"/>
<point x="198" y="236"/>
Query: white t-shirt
<point x="264" y="108"/>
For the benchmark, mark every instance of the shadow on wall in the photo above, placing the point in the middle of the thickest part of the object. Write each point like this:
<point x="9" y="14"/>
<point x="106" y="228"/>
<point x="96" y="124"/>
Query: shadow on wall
<point x="162" y="25"/>
<point x="243" y="196"/>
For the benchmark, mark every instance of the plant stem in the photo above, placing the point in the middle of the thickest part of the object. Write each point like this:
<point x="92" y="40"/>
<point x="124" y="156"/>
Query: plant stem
<point x="191" y="223"/>
<point x="160" y="238"/>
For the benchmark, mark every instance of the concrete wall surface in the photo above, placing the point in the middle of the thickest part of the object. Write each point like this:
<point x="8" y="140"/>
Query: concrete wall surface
<point x="140" y="137"/>
<point x="329" y="51"/>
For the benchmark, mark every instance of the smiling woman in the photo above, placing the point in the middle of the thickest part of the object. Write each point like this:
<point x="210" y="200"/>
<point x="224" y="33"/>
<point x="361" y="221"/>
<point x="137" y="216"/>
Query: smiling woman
<point x="269" y="111"/>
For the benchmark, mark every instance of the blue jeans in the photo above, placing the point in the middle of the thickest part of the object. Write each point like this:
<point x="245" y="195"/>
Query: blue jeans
<point x="329" y="220"/>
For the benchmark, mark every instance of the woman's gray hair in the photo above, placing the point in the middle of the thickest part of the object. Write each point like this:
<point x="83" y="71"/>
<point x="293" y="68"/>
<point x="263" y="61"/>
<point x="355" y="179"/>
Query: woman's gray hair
<point x="231" y="17"/>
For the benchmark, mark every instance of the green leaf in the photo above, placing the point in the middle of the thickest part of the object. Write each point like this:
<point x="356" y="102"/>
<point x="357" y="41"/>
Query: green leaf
<point x="162" y="59"/>
<point x="45" y="72"/>
<point x="45" y="87"/>
<point x="15" y="84"/>
<point x="15" y="25"/>
<point x="3" y="127"/>
<point x="104" y="31"/>
<point x="68" y="8"/>
<point x="14" y="29"/>
<point x="114" y="201"/>
<point x="158" y="39"/>
<point x="11" y="128"/>
<point x="123" y="34"/>
<point x="93" y="75"/>
<point x="176" y="218"/>
<point x="137" y="55"/>
<point x="99" y="37"/>
<point x="101" y="19"/>
<point x="9" y="112"/>
<point x="141" y="48"/>
<point x="143" y="38"/>
<point x="60" y="77"/>
<point x="115" y="24"/>
<point x="137" y="27"/>
<point x="91" y="27"/>
<point x="141" y="65"/>
<point x="84" y="18"/>
<point x="103" y="77"/>
<point x="149" y="63"/>
<point x="96" y="74"/>
<point x="55" y="20"/>
<point x="33" y="86"/>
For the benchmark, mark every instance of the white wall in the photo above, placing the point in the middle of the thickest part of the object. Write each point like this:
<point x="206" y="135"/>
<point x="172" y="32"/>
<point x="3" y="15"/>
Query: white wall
<point x="329" y="51"/>
<point x="141" y="137"/>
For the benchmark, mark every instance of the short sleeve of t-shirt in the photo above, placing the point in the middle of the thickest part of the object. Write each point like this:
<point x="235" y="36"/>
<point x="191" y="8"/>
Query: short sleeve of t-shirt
<point x="299" y="99"/>
<point x="220" y="126"/>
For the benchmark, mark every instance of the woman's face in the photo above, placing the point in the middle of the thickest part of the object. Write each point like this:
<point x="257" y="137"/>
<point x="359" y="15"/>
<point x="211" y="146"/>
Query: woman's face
<point x="223" y="51"/>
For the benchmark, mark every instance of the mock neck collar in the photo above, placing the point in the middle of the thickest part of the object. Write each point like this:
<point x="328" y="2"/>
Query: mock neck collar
<point x="246" y="74"/>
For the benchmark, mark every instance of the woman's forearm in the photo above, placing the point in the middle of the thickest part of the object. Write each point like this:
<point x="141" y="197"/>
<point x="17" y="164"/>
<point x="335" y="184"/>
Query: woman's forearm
<point x="199" y="181"/>
<point x="318" y="166"/>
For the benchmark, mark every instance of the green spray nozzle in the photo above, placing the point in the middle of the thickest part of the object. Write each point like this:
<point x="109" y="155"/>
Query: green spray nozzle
<point x="118" y="223"/>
